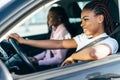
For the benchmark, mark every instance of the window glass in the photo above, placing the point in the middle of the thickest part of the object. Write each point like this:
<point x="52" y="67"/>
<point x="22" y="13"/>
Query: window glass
<point x="78" y="19"/>
<point x="82" y="4"/>
<point x="36" y="24"/>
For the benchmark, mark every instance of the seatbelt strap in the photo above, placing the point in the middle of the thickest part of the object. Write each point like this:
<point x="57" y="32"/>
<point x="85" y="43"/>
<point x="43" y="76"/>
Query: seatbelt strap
<point x="92" y="43"/>
<point x="51" y="54"/>
<point x="100" y="39"/>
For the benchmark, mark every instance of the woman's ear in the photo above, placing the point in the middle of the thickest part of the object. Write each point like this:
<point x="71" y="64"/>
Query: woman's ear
<point x="100" y="18"/>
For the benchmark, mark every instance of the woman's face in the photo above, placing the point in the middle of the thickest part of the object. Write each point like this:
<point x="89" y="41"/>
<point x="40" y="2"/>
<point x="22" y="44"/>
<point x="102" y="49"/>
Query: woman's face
<point x="91" y="23"/>
<point x="52" y="19"/>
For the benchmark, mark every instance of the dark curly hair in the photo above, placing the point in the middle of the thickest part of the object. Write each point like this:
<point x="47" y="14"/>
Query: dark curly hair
<point x="60" y="11"/>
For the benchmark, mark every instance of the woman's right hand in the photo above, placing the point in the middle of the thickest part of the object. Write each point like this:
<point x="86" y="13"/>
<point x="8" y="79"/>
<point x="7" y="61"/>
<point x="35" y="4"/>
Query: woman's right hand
<point x="16" y="37"/>
<point x="68" y="61"/>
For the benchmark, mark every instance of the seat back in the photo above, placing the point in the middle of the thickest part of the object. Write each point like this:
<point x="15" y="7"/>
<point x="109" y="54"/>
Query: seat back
<point x="74" y="15"/>
<point x="117" y="37"/>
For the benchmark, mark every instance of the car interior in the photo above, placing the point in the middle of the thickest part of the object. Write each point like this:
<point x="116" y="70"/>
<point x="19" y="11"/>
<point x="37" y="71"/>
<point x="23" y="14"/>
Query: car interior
<point x="73" y="9"/>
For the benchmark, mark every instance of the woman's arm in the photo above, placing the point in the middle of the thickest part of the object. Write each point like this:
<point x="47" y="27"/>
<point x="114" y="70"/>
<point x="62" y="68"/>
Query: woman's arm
<point x="93" y="53"/>
<point x="47" y="44"/>
<point x="52" y="44"/>
<point x="90" y="53"/>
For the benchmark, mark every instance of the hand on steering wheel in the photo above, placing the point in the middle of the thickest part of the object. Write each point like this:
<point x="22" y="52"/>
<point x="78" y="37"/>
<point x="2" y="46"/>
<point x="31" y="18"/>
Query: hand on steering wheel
<point x="21" y="54"/>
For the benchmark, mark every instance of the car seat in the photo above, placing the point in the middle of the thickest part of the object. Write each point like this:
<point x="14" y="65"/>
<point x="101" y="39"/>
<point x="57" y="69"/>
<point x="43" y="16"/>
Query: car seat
<point x="75" y="14"/>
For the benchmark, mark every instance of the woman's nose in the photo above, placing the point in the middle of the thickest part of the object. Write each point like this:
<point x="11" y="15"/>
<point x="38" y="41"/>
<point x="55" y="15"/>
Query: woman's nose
<point x="82" y="24"/>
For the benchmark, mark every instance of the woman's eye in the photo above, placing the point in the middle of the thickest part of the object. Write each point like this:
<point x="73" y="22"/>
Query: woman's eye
<point x="50" y="16"/>
<point x="85" y="19"/>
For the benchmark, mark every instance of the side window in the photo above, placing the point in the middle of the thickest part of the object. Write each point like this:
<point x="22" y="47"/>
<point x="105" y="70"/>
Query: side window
<point x="35" y="24"/>
<point x="82" y="4"/>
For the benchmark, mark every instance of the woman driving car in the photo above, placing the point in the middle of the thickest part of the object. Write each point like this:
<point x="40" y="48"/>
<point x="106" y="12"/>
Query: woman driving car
<point x="96" y="23"/>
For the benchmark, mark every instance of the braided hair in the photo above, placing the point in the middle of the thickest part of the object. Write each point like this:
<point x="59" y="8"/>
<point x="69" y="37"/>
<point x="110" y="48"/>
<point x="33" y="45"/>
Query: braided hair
<point x="100" y="9"/>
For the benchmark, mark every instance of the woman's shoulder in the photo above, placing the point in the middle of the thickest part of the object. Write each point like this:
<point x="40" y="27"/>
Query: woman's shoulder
<point x="82" y="35"/>
<point x="112" y="40"/>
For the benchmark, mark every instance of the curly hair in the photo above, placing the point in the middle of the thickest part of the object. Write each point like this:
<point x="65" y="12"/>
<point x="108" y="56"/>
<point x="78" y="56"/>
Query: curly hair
<point x="60" y="11"/>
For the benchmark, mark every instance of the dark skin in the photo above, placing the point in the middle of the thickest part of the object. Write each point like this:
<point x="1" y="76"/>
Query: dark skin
<point x="53" y="19"/>
<point x="91" y="24"/>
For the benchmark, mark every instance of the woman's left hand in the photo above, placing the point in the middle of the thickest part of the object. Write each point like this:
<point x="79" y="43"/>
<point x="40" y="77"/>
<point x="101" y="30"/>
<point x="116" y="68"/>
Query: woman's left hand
<point x="68" y="61"/>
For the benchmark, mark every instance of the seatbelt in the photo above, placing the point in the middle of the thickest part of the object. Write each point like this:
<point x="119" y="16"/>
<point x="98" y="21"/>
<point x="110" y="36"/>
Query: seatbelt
<point x="51" y="54"/>
<point x="100" y="39"/>
<point x="92" y="43"/>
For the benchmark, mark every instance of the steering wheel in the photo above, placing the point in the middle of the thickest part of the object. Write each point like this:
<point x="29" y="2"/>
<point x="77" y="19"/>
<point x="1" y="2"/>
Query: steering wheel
<point x="21" y="54"/>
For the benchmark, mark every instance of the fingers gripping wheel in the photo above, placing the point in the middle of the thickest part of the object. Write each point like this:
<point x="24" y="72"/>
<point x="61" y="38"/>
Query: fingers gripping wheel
<point x="21" y="54"/>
